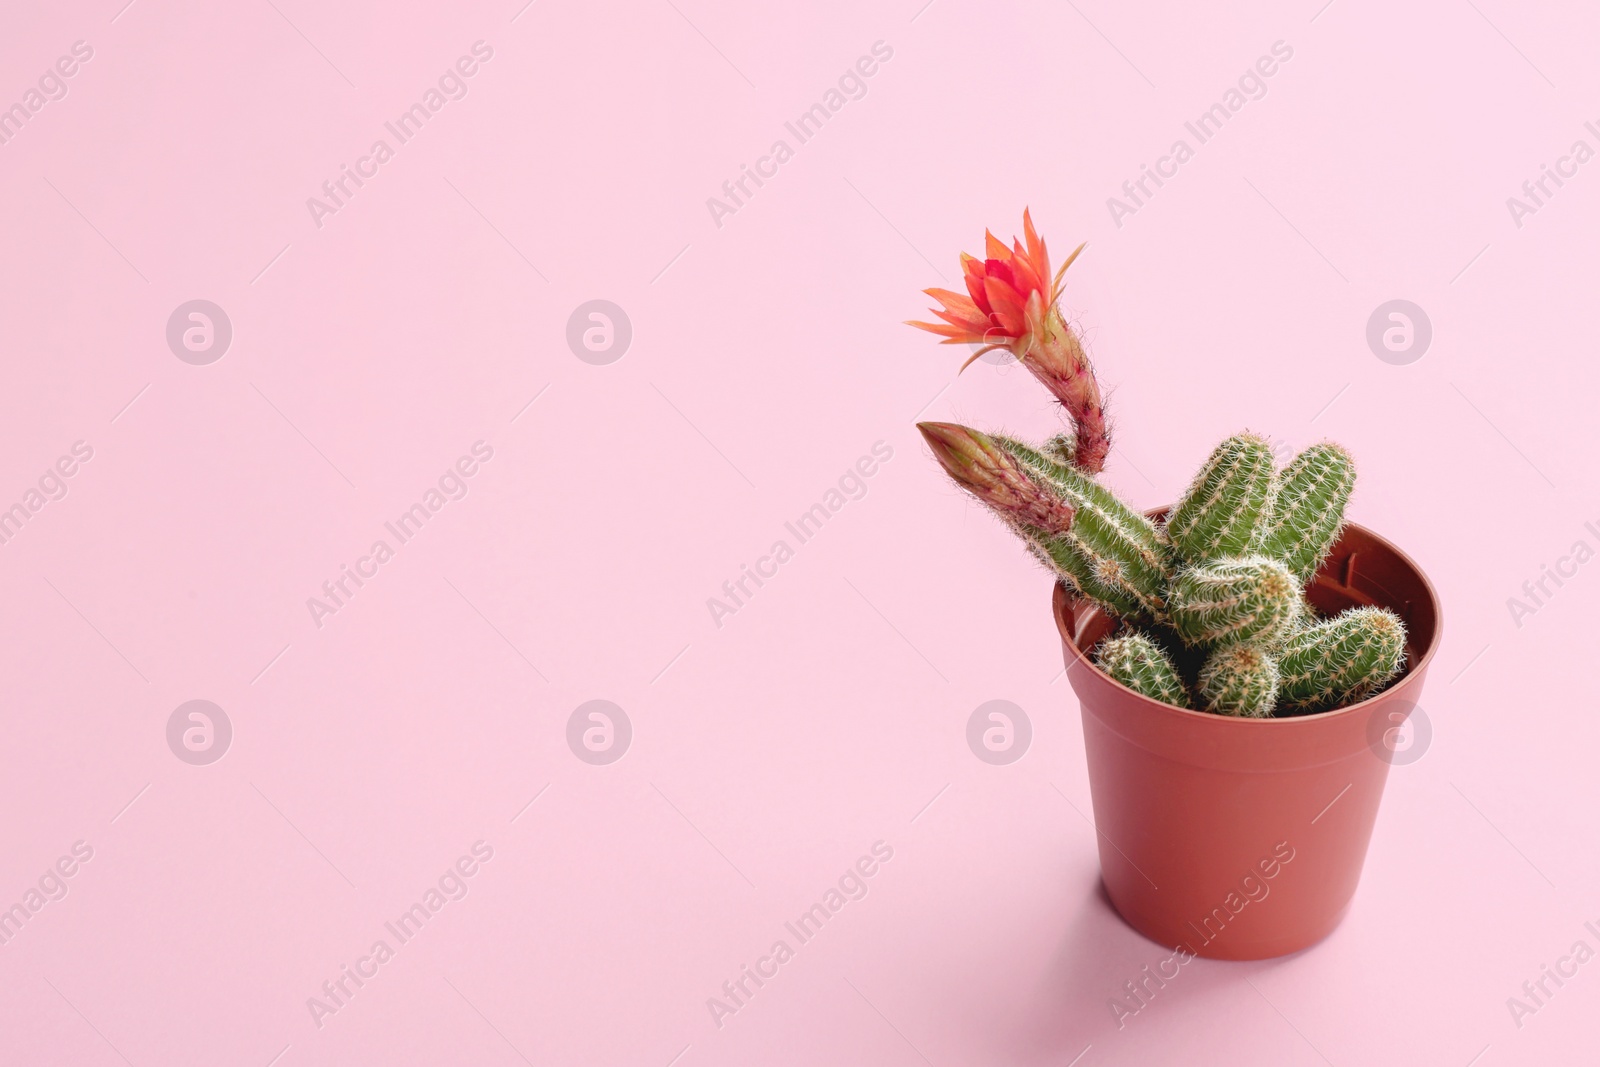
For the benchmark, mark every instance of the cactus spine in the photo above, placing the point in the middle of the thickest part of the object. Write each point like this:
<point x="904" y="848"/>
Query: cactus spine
<point x="977" y="463"/>
<point x="1112" y="554"/>
<point x="1240" y="680"/>
<point x="1234" y="601"/>
<point x="1140" y="664"/>
<point x="1222" y="507"/>
<point x="1306" y="512"/>
<point x="1341" y="660"/>
<point x="1063" y="448"/>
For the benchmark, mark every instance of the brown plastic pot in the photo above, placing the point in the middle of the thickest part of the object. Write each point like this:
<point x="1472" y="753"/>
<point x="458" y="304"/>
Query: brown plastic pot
<point x="1244" y="838"/>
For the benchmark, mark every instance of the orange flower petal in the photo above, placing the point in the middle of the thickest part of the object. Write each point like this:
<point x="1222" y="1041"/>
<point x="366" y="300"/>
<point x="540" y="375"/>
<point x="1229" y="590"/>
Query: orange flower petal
<point x="1001" y="269"/>
<point x="1034" y="312"/>
<point x="973" y="274"/>
<point x="1026" y="276"/>
<point x="972" y="324"/>
<point x="1008" y="313"/>
<point x="954" y="334"/>
<point x="1037" y="256"/>
<point x="956" y="302"/>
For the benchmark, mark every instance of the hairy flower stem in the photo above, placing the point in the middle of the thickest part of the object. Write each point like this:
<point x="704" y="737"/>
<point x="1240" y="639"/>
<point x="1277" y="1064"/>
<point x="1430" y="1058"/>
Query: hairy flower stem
<point x="1056" y="357"/>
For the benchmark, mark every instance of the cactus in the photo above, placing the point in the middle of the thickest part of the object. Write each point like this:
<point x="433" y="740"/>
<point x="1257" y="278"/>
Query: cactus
<point x="1234" y="601"/>
<point x="1219" y="588"/>
<point x="1240" y="680"/>
<point x="1306" y="512"/>
<point x="1341" y="660"/>
<point x="979" y="464"/>
<point x="1219" y="512"/>
<point x="1057" y="359"/>
<point x="1063" y="448"/>
<point x="1143" y="666"/>
<point x="1105" y="550"/>
<point x="1112" y="554"/>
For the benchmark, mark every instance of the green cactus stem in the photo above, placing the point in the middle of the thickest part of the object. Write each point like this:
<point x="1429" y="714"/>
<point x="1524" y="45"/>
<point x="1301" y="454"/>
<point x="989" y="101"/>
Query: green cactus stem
<point x="1222" y="507"/>
<point x="1063" y="448"/>
<point x="1240" y="680"/>
<point x="1306" y="512"/>
<point x="1341" y="660"/>
<point x="1234" y="601"/>
<point x="1143" y="666"/>
<point x="1112" y="554"/>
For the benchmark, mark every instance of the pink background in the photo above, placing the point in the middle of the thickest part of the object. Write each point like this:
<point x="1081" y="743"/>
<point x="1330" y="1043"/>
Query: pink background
<point x="767" y="356"/>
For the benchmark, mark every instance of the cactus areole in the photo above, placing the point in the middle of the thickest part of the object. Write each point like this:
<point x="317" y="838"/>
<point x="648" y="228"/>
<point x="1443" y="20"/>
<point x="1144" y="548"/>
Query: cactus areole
<point x="1241" y="658"/>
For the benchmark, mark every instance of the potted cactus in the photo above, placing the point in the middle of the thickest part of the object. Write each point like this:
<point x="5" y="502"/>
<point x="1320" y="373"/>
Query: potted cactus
<point x="1240" y="658"/>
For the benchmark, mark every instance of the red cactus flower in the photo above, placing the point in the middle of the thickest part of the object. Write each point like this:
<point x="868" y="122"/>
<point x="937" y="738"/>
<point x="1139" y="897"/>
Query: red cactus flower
<point x="1011" y="303"/>
<point x="1008" y="294"/>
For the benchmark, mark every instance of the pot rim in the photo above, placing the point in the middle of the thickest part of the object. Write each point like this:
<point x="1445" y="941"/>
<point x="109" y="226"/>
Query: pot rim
<point x="1412" y="678"/>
